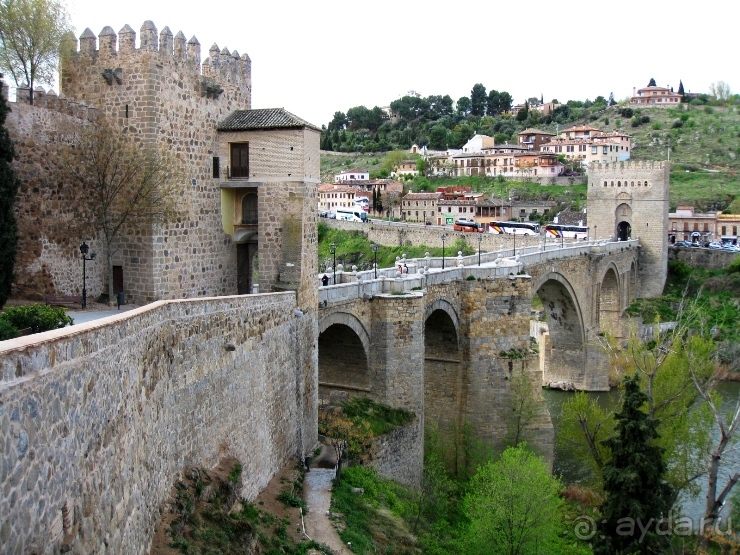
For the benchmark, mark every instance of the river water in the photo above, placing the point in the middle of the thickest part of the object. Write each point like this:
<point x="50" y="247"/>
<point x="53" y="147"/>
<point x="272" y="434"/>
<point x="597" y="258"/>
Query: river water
<point x="573" y="471"/>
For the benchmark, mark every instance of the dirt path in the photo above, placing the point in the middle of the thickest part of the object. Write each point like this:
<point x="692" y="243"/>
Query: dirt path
<point x="317" y="491"/>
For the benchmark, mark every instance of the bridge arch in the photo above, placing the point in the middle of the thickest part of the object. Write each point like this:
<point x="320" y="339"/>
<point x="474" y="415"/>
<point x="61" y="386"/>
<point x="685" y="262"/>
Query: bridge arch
<point x="443" y="373"/>
<point x="567" y="341"/>
<point x="344" y="355"/>
<point x="609" y="305"/>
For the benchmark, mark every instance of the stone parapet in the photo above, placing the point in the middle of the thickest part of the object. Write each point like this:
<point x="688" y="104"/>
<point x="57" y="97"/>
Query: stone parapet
<point x="99" y="419"/>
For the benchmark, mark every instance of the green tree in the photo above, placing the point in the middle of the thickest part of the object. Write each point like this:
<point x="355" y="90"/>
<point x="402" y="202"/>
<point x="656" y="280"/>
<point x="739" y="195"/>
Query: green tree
<point x="505" y="102"/>
<point x="30" y="34"/>
<point x="478" y="100"/>
<point x="720" y="91"/>
<point x="634" y="480"/>
<point x="125" y="184"/>
<point x="8" y="190"/>
<point x="514" y="506"/>
<point x="523" y="112"/>
<point x="463" y="106"/>
<point x="493" y="103"/>
<point x="651" y="83"/>
<point x="680" y="88"/>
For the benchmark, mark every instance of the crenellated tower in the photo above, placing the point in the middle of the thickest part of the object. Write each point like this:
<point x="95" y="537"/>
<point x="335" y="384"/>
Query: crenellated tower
<point x="158" y="92"/>
<point x="630" y="200"/>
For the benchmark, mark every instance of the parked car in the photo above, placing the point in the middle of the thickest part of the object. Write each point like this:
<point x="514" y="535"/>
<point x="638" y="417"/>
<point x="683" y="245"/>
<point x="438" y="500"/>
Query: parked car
<point x="715" y="245"/>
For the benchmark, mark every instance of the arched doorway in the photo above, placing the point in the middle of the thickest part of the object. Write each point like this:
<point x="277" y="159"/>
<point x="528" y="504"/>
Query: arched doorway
<point x="623" y="217"/>
<point x="247" y="259"/>
<point x="624" y="231"/>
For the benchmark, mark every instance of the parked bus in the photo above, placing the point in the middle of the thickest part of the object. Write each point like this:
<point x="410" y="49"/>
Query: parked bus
<point x="355" y="214"/>
<point x="467" y="225"/>
<point x="514" y="228"/>
<point x="567" y="231"/>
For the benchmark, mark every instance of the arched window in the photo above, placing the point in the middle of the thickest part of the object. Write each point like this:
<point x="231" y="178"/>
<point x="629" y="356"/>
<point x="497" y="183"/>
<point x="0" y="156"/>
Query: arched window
<point x="249" y="208"/>
<point x="605" y="183"/>
<point x="612" y="183"/>
<point x="632" y="183"/>
<point x="639" y="183"/>
<point x="646" y="184"/>
<point x="619" y="183"/>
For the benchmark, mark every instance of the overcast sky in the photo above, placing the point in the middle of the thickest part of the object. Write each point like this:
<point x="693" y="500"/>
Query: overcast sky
<point x="316" y="58"/>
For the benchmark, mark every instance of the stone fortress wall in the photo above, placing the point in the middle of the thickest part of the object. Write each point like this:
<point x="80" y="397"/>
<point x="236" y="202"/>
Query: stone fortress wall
<point x="96" y="421"/>
<point x="157" y="93"/>
<point x="48" y="259"/>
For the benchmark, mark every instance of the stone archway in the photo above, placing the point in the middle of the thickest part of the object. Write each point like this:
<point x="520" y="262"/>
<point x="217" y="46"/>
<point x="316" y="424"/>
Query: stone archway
<point x="609" y="302"/>
<point x="247" y="245"/>
<point x="564" y="346"/>
<point x="443" y="379"/>
<point x="623" y="217"/>
<point x="343" y="356"/>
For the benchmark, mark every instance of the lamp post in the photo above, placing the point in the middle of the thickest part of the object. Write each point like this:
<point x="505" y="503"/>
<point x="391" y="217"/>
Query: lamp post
<point x="84" y="249"/>
<point x="375" y="254"/>
<point x="480" y="238"/>
<point x="444" y="236"/>
<point x="514" y="234"/>
<point x="595" y="236"/>
<point x="333" y="252"/>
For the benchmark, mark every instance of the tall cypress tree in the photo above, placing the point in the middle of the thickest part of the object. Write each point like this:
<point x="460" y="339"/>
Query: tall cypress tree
<point x="636" y="491"/>
<point x="8" y="191"/>
<point x="680" y="87"/>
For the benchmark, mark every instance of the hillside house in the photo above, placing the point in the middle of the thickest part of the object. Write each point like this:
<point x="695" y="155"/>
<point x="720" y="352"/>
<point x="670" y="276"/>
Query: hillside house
<point x="351" y="175"/>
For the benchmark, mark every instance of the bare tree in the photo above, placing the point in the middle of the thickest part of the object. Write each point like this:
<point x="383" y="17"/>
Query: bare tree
<point x="120" y="182"/>
<point x="720" y="91"/>
<point x="30" y="34"/>
<point x="727" y="426"/>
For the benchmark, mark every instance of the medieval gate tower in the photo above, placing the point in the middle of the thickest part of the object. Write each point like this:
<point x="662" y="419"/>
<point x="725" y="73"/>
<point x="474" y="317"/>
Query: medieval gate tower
<point x="630" y="200"/>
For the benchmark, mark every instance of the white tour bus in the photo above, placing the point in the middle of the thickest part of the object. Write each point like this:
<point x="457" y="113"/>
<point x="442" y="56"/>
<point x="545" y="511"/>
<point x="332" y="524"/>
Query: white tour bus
<point x="567" y="231"/>
<point x="351" y="214"/>
<point x="514" y="228"/>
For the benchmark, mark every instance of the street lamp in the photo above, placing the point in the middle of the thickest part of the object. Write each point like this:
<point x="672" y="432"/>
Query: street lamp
<point x="333" y="252"/>
<point x="444" y="236"/>
<point x="514" y="234"/>
<point x="480" y="238"/>
<point x="84" y="249"/>
<point x="375" y="254"/>
<point x="595" y="236"/>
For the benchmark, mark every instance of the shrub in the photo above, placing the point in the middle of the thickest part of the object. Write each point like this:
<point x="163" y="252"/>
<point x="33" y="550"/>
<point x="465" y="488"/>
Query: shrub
<point x="38" y="317"/>
<point x="645" y="119"/>
<point x="626" y="112"/>
<point x="677" y="123"/>
<point x="678" y="269"/>
<point x="636" y="121"/>
<point x="657" y="126"/>
<point x="734" y="266"/>
<point x="7" y="330"/>
<point x="606" y="121"/>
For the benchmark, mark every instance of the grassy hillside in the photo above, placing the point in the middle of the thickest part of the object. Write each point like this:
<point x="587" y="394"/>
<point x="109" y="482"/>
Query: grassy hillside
<point x="704" y="144"/>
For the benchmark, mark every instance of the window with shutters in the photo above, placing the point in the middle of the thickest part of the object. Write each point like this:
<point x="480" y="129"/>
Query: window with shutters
<point x="239" y="159"/>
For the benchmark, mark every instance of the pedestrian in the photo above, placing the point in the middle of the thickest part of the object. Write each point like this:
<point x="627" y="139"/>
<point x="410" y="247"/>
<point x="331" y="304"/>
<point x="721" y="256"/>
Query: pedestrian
<point x="405" y="269"/>
<point x="325" y="280"/>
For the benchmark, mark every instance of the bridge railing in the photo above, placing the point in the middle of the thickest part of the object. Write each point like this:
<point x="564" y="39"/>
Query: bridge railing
<point x="429" y="270"/>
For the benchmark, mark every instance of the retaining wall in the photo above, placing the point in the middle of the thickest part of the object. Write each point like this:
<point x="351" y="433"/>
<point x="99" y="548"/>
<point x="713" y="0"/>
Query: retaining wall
<point x="98" y="420"/>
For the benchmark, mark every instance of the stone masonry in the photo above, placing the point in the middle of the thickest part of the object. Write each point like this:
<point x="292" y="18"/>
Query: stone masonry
<point x="634" y="195"/>
<point x="97" y="421"/>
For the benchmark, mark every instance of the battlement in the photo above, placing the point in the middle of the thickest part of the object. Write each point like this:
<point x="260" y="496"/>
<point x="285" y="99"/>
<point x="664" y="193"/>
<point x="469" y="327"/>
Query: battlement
<point x="221" y="65"/>
<point x="631" y="165"/>
<point x="51" y="101"/>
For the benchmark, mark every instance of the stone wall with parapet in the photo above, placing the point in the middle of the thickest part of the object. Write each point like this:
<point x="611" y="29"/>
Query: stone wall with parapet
<point x="98" y="420"/>
<point x="708" y="259"/>
<point x="400" y="235"/>
<point x="48" y="216"/>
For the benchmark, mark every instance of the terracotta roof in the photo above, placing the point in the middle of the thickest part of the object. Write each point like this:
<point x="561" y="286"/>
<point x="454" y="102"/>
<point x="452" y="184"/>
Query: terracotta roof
<point x="263" y="119"/>
<point x="533" y="203"/>
<point x="336" y="187"/>
<point x="422" y="196"/>
<point x="581" y="128"/>
<point x="533" y="131"/>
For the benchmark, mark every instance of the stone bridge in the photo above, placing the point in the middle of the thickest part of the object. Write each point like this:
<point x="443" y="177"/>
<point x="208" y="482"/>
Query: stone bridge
<point x="440" y="341"/>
